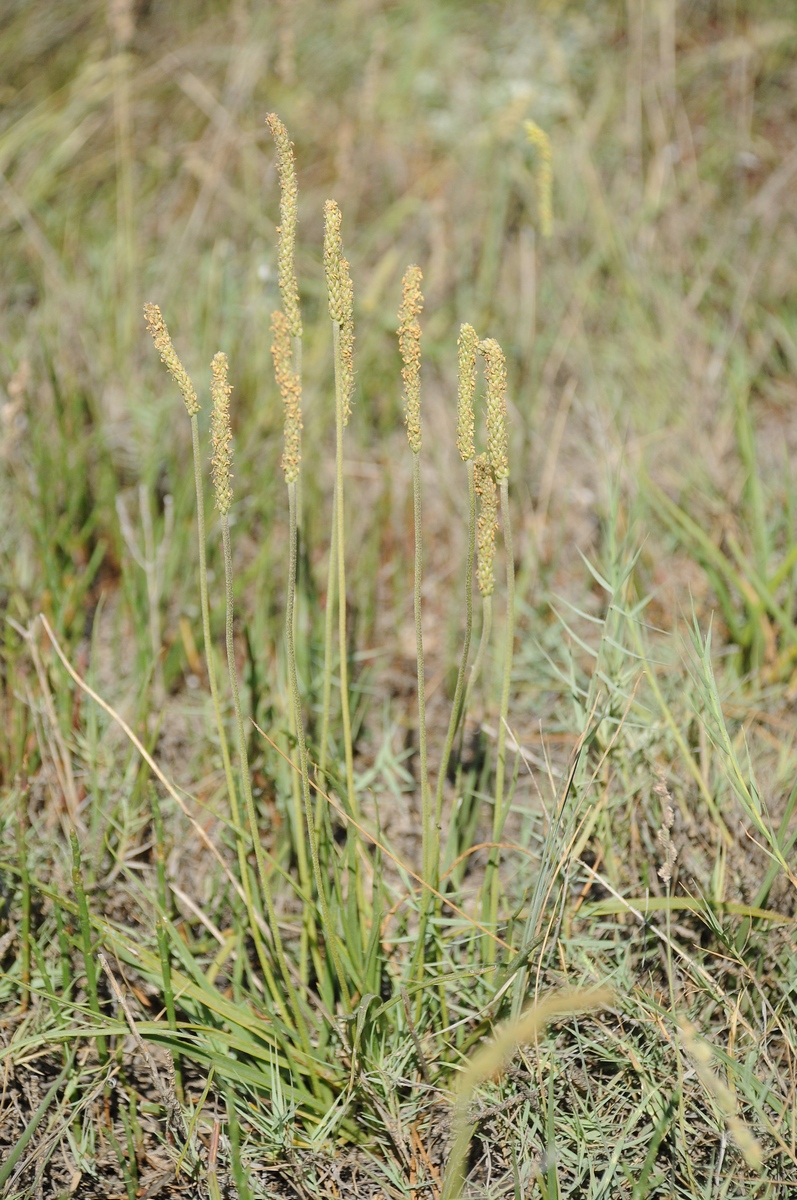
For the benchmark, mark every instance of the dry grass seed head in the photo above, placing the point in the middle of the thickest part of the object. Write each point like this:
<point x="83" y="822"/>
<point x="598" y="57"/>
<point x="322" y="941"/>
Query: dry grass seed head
<point x="409" y="334"/>
<point x="664" y="835"/>
<point x="221" y="433"/>
<point x="542" y="144"/>
<point x="291" y="391"/>
<point x="497" y="440"/>
<point x="163" y="344"/>
<point x="468" y="346"/>
<point x="340" y="290"/>
<point x="487" y="524"/>
<point x="289" y="215"/>
<point x="701" y="1055"/>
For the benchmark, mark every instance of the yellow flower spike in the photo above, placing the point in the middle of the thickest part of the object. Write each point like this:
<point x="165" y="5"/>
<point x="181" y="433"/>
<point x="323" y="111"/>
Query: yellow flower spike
<point x="289" y="214"/>
<point x="542" y="144"/>
<point x="163" y="344"/>
<point x="291" y="392"/>
<point x="221" y="434"/>
<point x="467" y="345"/>
<point x="341" y="300"/>
<point x="487" y="492"/>
<point x="497" y="440"/>
<point x="409" y="334"/>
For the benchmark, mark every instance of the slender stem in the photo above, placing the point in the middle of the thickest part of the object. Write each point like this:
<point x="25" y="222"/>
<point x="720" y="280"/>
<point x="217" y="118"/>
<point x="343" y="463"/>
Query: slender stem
<point x="499" y="814"/>
<point x="89" y="959"/>
<point x="329" y="617"/>
<point x="214" y="692"/>
<point x="481" y="652"/>
<point x="329" y="932"/>
<point x="426" y="807"/>
<point x="457" y="708"/>
<point x="341" y="562"/>
<point x="297" y="1020"/>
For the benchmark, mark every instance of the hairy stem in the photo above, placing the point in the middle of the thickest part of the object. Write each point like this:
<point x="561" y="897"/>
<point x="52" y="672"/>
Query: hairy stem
<point x="499" y="813"/>
<point x="341" y="563"/>
<point x="457" y="708"/>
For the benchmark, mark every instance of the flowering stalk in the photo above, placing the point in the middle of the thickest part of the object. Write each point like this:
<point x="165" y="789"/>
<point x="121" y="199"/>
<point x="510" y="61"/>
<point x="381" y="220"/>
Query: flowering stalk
<point x="409" y="335"/>
<point x="341" y="309"/>
<point x="163" y="344"/>
<point x="467" y="344"/>
<point x="497" y="453"/>
<point x="290" y="389"/>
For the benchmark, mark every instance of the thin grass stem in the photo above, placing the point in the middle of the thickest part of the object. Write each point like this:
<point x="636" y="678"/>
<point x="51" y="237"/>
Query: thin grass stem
<point x="291" y="1014"/>
<point x="329" y="932"/>
<point x="499" y="811"/>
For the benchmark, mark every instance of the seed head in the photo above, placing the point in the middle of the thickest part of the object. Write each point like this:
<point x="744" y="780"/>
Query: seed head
<point x="286" y="249"/>
<point x="487" y="524"/>
<point x="495" y="369"/>
<point x="664" y="836"/>
<point x="221" y="434"/>
<point x="340" y="291"/>
<point x="409" y="334"/>
<point x="542" y="143"/>
<point x="468" y="345"/>
<point x="291" y="391"/>
<point x="163" y="344"/>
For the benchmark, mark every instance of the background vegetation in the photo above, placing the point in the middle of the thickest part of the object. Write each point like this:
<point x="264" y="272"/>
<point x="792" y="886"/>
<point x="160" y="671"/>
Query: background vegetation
<point x="651" y="345"/>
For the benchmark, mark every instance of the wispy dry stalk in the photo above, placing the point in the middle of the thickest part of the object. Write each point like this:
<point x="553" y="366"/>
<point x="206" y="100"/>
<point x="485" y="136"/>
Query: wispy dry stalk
<point x="491" y="1059"/>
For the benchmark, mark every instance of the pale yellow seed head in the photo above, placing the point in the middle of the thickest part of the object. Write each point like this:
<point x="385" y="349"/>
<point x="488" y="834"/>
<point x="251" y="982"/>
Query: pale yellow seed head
<point x="291" y="391"/>
<point x="497" y="438"/>
<point x="701" y="1054"/>
<point x="221" y="433"/>
<point x="340" y="291"/>
<point x="487" y="525"/>
<point x="467" y="345"/>
<point x="289" y="215"/>
<point x="409" y="335"/>
<point x="542" y="144"/>
<point x="163" y="344"/>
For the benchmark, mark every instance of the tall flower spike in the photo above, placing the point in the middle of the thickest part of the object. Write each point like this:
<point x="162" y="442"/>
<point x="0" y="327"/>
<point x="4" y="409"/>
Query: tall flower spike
<point x="291" y="392"/>
<point x="409" y="334"/>
<point x="468" y="345"/>
<point x="495" y="369"/>
<point x="341" y="299"/>
<point x="163" y="344"/>
<point x="221" y="434"/>
<point x="487" y="525"/>
<point x="542" y="144"/>
<point x="286" y="250"/>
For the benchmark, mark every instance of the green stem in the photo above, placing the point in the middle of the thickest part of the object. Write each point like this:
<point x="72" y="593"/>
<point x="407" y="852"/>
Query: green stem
<point x="426" y="807"/>
<point x="341" y="562"/>
<point x="161" y="932"/>
<point x="329" y="932"/>
<point x="329" y="617"/>
<point x="499" y="814"/>
<point x="481" y="652"/>
<point x="24" y="924"/>
<point x="297" y="1019"/>
<point x="457" y="708"/>
<point x="89" y="960"/>
<point x="214" y="692"/>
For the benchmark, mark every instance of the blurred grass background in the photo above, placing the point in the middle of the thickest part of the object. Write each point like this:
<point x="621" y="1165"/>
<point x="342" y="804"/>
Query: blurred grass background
<point x="651" y="343"/>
